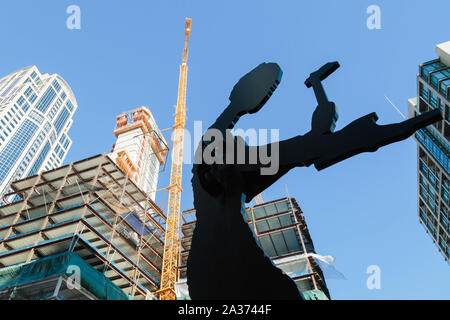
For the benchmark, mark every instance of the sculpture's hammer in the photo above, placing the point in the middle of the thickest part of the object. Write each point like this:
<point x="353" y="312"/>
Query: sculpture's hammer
<point x="325" y="116"/>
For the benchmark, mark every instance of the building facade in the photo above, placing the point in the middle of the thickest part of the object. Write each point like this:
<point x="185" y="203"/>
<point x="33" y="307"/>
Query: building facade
<point x="281" y="230"/>
<point x="140" y="148"/>
<point x="433" y="148"/>
<point x="36" y="113"/>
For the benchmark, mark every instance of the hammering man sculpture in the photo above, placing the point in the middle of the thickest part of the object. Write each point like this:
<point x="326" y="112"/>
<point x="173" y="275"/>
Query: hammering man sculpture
<point x="225" y="260"/>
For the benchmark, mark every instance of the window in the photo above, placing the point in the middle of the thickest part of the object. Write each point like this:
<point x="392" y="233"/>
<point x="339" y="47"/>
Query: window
<point x="32" y="98"/>
<point x="259" y="212"/>
<point x="432" y="178"/>
<point x="56" y="85"/>
<point x="40" y="159"/>
<point x="445" y="195"/>
<point x="14" y="148"/>
<point x="274" y="223"/>
<point x="61" y="120"/>
<point x="46" y="100"/>
<point x="11" y="86"/>
<point x="20" y="101"/>
<point x="70" y="105"/>
<point x="444" y="88"/>
<point x="286" y="220"/>
<point x="54" y="109"/>
<point x="262" y="226"/>
<point x="426" y="69"/>
<point x="424" y="92"/>
<point x="25" y="107"/>
<point x="28" y="92"/>
<point x="66" y="144"/>
<point x="436" y="147"/>
<point x="433" y="100"/>
<point x="436" y="76"/>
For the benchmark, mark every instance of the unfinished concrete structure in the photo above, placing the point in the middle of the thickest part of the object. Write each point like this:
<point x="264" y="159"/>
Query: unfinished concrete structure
<point x="87" y="216"/>
<point x="140" y="148"/>
<point x="281" y="230"/>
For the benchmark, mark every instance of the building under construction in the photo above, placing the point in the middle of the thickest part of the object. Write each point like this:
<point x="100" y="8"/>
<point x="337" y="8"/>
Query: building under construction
<point x="281" y="230"/>
<point x="88" y="230"/>
<point x="86" y="217"/>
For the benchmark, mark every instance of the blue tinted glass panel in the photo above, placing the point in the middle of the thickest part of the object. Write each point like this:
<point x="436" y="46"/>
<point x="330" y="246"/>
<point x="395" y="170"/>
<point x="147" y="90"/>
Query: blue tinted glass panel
<point x="444" y="87"/>
<point x="430" y="68"/>
<point x="28" y="92"/>
<point x="20" y="101"/>
<point x="15" y="147"/>
<point x="25" y="107"/>
<point x="40" y="159"/>
<point x="61" y="120"/>
<point x="56" y="85"/>
<point x="436" y="76"/>
<point x="435" y="147"/>
<point x="70" y="105"/>
<point x="434" y="100"/>
<point x="32" y="98"/>
<point x="46" y="100"/>
<point x="424" y="93"/>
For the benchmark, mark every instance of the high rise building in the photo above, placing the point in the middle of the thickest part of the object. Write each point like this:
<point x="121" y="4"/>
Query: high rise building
<point x="36" y="113"/>
<point x="433" y="148"/>
<point x="281" y="230"/>
<point x="140" y="148"/>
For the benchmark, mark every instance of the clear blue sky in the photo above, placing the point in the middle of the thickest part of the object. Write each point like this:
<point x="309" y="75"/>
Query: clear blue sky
<point x="363" y="211"/>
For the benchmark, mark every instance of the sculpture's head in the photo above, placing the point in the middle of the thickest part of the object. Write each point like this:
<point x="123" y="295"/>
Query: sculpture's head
<point x="254" y="89"/>
<point x="248" y="96"/>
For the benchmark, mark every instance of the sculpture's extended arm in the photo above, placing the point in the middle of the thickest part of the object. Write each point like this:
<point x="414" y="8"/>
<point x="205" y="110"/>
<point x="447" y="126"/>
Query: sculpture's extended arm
<point x="361" y="135"/>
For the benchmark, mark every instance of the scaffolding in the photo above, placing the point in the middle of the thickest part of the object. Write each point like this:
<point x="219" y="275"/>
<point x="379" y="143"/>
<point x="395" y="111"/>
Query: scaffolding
<point x="281" y="230"/>
<point x="93" y="209"/>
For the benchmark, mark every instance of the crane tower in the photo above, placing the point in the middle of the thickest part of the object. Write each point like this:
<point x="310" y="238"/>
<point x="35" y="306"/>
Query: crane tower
<point x="170" y="258"/>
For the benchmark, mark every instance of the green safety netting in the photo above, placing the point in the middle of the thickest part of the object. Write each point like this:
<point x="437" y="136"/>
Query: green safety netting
<point x="91" y="279"/>
<point x="314" y="295"/>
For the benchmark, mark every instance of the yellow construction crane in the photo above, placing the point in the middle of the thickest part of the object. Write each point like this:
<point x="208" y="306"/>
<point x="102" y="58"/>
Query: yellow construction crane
<point x="170" y="257"/>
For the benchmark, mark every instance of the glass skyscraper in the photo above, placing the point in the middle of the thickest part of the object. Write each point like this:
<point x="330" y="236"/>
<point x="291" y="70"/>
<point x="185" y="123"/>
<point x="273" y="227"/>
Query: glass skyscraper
<point x="35" y="115"/>
<point x="433" y="143"/>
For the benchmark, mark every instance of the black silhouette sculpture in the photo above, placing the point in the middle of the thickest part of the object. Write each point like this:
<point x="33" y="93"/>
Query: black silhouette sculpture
<point x="225" y="260"/>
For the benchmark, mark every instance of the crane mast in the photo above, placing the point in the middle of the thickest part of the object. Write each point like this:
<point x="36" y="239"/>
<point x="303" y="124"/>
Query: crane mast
<point x="171" y="248"/>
